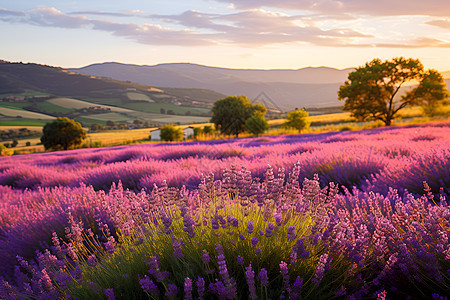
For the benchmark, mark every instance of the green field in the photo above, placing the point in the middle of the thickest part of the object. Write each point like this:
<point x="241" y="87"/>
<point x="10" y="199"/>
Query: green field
<point x="79" y="104"/>
<point x="8" y="112"/>
<point x="138" y="97"/>
<point x="112" y="116"/>
<point x="156" y="108"/>
<point x="53" y="108"/>
<point x="22" y="122"/>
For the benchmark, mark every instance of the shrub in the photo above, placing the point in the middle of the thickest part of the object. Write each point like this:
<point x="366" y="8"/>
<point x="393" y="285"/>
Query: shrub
<point x="171" y="133"/>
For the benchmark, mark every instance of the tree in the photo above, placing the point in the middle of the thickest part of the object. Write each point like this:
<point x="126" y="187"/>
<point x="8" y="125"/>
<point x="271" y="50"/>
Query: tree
<point x="298" y="119"/>
<point x="197" y="131"/>
<point x="111" y="123"/>
<point x="171" y="133"/>
<point x="432" y="93"/>
<point x="230" y="114"/>
<point x="96" y="127"/>
<point x="256" y="125"/>
<point x="208" y="129"/>
<point x="4" y="151"/>
<point x="372" y="92"/>
<point x="62" y="133"/>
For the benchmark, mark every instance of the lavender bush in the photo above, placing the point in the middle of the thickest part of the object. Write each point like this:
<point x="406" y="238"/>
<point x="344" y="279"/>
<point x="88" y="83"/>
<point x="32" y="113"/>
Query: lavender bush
<point x="232" y="232"/>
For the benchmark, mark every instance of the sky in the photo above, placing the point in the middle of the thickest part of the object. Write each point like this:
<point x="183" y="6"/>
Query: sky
<point x="245" y="34"/>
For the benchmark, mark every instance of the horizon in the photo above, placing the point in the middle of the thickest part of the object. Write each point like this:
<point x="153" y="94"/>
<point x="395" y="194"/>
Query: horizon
<point x="263" y="35"/>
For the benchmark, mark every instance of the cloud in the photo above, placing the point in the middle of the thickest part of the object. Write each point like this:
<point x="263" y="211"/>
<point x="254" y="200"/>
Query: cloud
<point x="250" y="28"/>
<point x="440" y="23"/>
<point x="143" y="33"/>
<point x="261" y="27"/>
<point x="51" y="17"/>
<point x="419" y="42"/>
<point x="360" y="7"/>
<point x="127" y="13"/>
<point x="12" y="13"/>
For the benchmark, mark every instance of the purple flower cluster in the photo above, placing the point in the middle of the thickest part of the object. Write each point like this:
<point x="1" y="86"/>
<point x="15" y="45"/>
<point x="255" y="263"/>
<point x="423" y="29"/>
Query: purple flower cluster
<point x="382" y="239"/>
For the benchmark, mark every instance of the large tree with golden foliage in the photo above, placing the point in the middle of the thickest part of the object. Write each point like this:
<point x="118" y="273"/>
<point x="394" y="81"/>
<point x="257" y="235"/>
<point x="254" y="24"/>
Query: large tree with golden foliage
<point x="374" y="91"/>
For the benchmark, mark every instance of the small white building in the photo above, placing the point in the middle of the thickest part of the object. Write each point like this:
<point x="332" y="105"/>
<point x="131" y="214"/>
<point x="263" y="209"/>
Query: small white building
<point x="155" y="135"/>
<point x="188" y="132"/>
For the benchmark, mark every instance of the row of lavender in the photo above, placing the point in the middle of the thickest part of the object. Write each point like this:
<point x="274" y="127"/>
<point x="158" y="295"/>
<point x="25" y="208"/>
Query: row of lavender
<point x="235" y="238"/>
<point x="389" y="157"/>
<point x="361" y="238"/>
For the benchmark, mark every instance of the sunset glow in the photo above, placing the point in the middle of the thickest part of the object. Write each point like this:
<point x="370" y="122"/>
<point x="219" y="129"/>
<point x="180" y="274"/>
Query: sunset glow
<point x="243" y="34"/>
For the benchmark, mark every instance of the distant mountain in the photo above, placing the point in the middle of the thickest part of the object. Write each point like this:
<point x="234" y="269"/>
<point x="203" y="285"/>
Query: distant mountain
<point x="307" y="87"/>
<point x="20" y="77"/>
<point x="57" y="92"/>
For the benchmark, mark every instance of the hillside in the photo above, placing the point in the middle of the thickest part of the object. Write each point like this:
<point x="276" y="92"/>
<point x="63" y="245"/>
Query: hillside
<point x="30" y="87"/>
<point x="307" y="87"/>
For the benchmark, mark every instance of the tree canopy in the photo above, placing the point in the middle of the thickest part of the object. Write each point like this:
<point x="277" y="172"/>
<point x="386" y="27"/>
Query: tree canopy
<point x="372" y="92"/>
<point x="230" y="114"/>
<point x="62" y="133"/>
<point x="171" y="133"/>
<point x="432" y="93"/>
<point x="256" y="125"/>
<point x="298" y="119"/>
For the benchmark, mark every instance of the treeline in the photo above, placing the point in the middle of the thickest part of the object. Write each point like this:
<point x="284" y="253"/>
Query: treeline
<point x="20" y="133"/>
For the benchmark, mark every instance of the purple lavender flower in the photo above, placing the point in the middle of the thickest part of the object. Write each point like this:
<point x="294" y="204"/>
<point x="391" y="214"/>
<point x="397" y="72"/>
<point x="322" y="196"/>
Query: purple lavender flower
<point x="269" y="230"/>
<point x="92" y="260"/>
<point x="320" y="270"/>
<point x="258" y="251"/>
<point x="341" y="291"/>
<point x="293" y="257"/>
<point x="381" y="295"/>
<point x="177" y="253"/>
<point x="297" y="286"/>
<point x="221" y="289"/>
<point x="148" y="286"/>
<point x="278" y="219"/>
<point x="154" y="269"/>
<point x="110" y="294"/>
<point x="171" y="290"/>
<point x="93" y="286"/>
<point x="240" y="260"/>
<point x="200" y="287"/>
<point x="250" y="227"/>
<point x="205" y="257"/>
<point x="187" y="288"/>
<point x="283" y="268"/>
<point x="250" y="276"/>
<point x="291" y="233"/>
<point x="254" y="241"/>
<point x="109" y="247"/>
<point x="241" y="237"/>
<point x="262" y="275"/>
<point x="214" y="223"/>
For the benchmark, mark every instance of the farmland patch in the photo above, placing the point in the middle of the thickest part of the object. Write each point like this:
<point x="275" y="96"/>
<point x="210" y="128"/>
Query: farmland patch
<point x="8" y="112"/>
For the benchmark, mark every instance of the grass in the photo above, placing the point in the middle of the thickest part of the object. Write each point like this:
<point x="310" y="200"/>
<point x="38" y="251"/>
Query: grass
<point x="79" y="104"/>
<point x="138" y="96"/>
<point x="53" y="108"/>
<point x="22" y="122"/>
<point x="156" y="108"/>
<point x="13" y="105"/>
<point x="29" y="94"/>
<point x="16" y="112"/>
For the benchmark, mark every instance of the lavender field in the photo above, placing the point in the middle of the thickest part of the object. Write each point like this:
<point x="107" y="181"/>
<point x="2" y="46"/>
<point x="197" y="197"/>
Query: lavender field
<point x="357" y="215"/>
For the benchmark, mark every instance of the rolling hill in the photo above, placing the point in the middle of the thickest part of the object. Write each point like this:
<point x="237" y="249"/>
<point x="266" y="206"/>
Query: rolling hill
<point x="307" y="87"/>
<point x="31" y="87"/>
